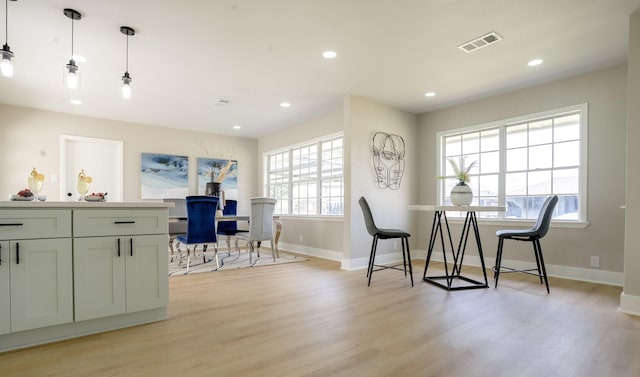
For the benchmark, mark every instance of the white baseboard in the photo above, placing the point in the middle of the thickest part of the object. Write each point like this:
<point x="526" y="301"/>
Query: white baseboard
<point x="311" y="251"/>
<point x="629" y="304"/>
<point x="566" y="272"/>
<point x="362" y="263"/>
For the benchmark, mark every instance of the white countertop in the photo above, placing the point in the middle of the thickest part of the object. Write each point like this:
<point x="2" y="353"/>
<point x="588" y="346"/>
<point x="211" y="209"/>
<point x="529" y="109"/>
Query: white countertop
<point x="77" y="204"/>
<point x="433" y="207"/>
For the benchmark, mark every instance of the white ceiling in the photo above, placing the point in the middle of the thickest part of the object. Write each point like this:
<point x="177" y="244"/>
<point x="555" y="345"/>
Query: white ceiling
<point x="186" y="55"/>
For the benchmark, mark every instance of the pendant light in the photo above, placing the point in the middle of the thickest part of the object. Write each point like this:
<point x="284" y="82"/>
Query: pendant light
<point x="71" y="73"/>
<point x="6" y="67"/>
<point x="126" y="79"/>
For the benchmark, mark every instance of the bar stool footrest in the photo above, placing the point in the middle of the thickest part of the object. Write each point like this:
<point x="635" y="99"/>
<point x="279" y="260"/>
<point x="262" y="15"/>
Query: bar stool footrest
<point x="529" y="271"/>
<point x="472" y="284"/>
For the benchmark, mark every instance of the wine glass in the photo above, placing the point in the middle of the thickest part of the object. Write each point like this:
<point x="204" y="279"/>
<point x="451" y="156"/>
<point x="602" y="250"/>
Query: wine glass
<point x="35" y="185"/>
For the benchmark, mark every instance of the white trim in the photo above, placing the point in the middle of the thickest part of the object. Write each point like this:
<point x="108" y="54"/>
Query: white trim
<point x="117" y="161"/>
<point x="362" y="263"/>
<point x="565" y="272"/>
<point x="629" y="304"/>
<point x="520" y="222"/>
<point x="303" y="143"/>
<point x="288" y="150"/>
<point x="582" y="108"/>
<point x="327" y="218"/>
<point x="311" y="251"/>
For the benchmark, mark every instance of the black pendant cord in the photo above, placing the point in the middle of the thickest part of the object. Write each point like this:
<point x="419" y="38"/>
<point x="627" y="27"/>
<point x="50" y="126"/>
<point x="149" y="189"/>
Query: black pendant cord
<point x="6" y="22"/>
<point x="127" y="55"/>
<point x="71" y="38"/>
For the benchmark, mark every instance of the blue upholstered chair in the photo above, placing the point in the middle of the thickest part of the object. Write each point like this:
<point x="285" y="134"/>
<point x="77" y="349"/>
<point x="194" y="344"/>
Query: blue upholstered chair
<point x="201" y="228"/>
<point x="228" y="229"/>
<point x="533" y="234"/>
<point x="260" y="226"/>
<point x="385" y="234"/>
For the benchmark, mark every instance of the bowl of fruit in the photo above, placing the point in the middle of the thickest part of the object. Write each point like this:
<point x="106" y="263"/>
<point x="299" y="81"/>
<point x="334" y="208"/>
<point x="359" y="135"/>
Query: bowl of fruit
<point x="96" y="197"/>
<point x="23" y="195"/>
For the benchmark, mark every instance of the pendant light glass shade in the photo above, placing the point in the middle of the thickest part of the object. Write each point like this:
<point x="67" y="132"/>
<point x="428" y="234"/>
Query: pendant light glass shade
<point x="71" y="74"/>
<point x="126" y="78"/>
<point x="126" y="86"/>
<point x="6" y="67"/>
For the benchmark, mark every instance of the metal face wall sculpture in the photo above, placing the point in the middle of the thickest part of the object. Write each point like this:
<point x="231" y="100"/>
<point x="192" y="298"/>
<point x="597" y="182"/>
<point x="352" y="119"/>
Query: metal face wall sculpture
<point x="388" y="152"/>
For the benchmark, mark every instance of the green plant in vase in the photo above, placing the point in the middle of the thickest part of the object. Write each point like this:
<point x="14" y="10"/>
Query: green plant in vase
<point x="461" y="194"/>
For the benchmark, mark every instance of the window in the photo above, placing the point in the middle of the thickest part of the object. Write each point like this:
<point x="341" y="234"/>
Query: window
<point x="307" y="179"/>
<point x="520" y="161"/>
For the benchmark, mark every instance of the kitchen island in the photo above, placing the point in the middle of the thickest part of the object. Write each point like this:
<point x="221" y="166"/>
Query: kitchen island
<point x="69" y="269"/>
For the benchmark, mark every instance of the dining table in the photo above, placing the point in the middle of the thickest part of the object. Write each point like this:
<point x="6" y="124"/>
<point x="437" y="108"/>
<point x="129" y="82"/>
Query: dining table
<point x="179" y="223"/>
<point x="453" y="278"/>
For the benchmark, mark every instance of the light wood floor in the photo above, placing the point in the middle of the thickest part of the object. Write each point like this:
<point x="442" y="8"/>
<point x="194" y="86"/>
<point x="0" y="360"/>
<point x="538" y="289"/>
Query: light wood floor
<point x="313" y="319"/>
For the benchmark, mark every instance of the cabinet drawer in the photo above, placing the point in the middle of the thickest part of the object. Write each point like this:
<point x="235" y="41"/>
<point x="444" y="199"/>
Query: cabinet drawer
<point x="112" y="222"/>
<point x="27" y="223"/>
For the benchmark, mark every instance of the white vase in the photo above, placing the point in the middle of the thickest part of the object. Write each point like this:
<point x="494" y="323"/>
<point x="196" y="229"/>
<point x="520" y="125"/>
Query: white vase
<point x="461" y="194"/>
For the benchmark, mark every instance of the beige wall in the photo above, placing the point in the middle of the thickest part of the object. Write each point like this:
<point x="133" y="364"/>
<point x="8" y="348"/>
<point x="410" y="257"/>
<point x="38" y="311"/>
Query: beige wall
<point x="630" y="301"/>
<point x="346" y="239"/>
<point x="389" y="207"/>
<point x="30" y="137"/>
<point x="605" y="91"/>
<point x="320" y="236"/>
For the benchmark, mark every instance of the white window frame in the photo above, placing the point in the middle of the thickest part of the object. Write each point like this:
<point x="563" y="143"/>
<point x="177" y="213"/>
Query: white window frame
<point x="583" y="109"/>
<point x="319" y="176"/>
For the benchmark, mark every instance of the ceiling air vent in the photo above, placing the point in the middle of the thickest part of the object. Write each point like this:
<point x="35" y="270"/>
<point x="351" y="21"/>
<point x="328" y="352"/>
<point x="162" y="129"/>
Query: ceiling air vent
<point x="480" y="42"/>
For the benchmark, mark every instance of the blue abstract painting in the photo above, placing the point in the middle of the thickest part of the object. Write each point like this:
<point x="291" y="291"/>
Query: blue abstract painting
<point x="209" y="170"/>
<point x="164" y="176"/>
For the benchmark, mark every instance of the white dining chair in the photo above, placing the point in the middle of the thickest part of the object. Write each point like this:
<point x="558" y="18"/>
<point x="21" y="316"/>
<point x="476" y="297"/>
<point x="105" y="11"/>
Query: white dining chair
<point x="260" y="226"/>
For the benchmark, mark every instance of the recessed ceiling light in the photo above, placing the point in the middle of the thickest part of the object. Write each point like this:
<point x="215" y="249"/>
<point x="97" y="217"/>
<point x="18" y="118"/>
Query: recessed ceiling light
<point x="285" y="104"/>
<point x="430" y="94"/>
<point x="535" y="62"/>
<point x="237" y="127"/>
<point x="79" y="58"/>
<point x="76" y="102"/>
<point x="329" y="54"/>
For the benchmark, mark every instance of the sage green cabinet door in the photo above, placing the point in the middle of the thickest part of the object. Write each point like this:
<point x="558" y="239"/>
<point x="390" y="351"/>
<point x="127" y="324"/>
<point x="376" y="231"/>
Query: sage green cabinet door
<point x="98" y="266"/>
<point x="120" y="274"/>
<point x="147" y="272"/>
<point x="41" y="283"/>
<point x="5" y="298"/>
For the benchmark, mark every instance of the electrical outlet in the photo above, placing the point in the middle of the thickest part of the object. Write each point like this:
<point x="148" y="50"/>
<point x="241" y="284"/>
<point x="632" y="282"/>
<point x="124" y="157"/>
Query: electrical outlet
<point x="395" y="245"/>
<point x="300" y="238"/>
<point x="595" y="261"/>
